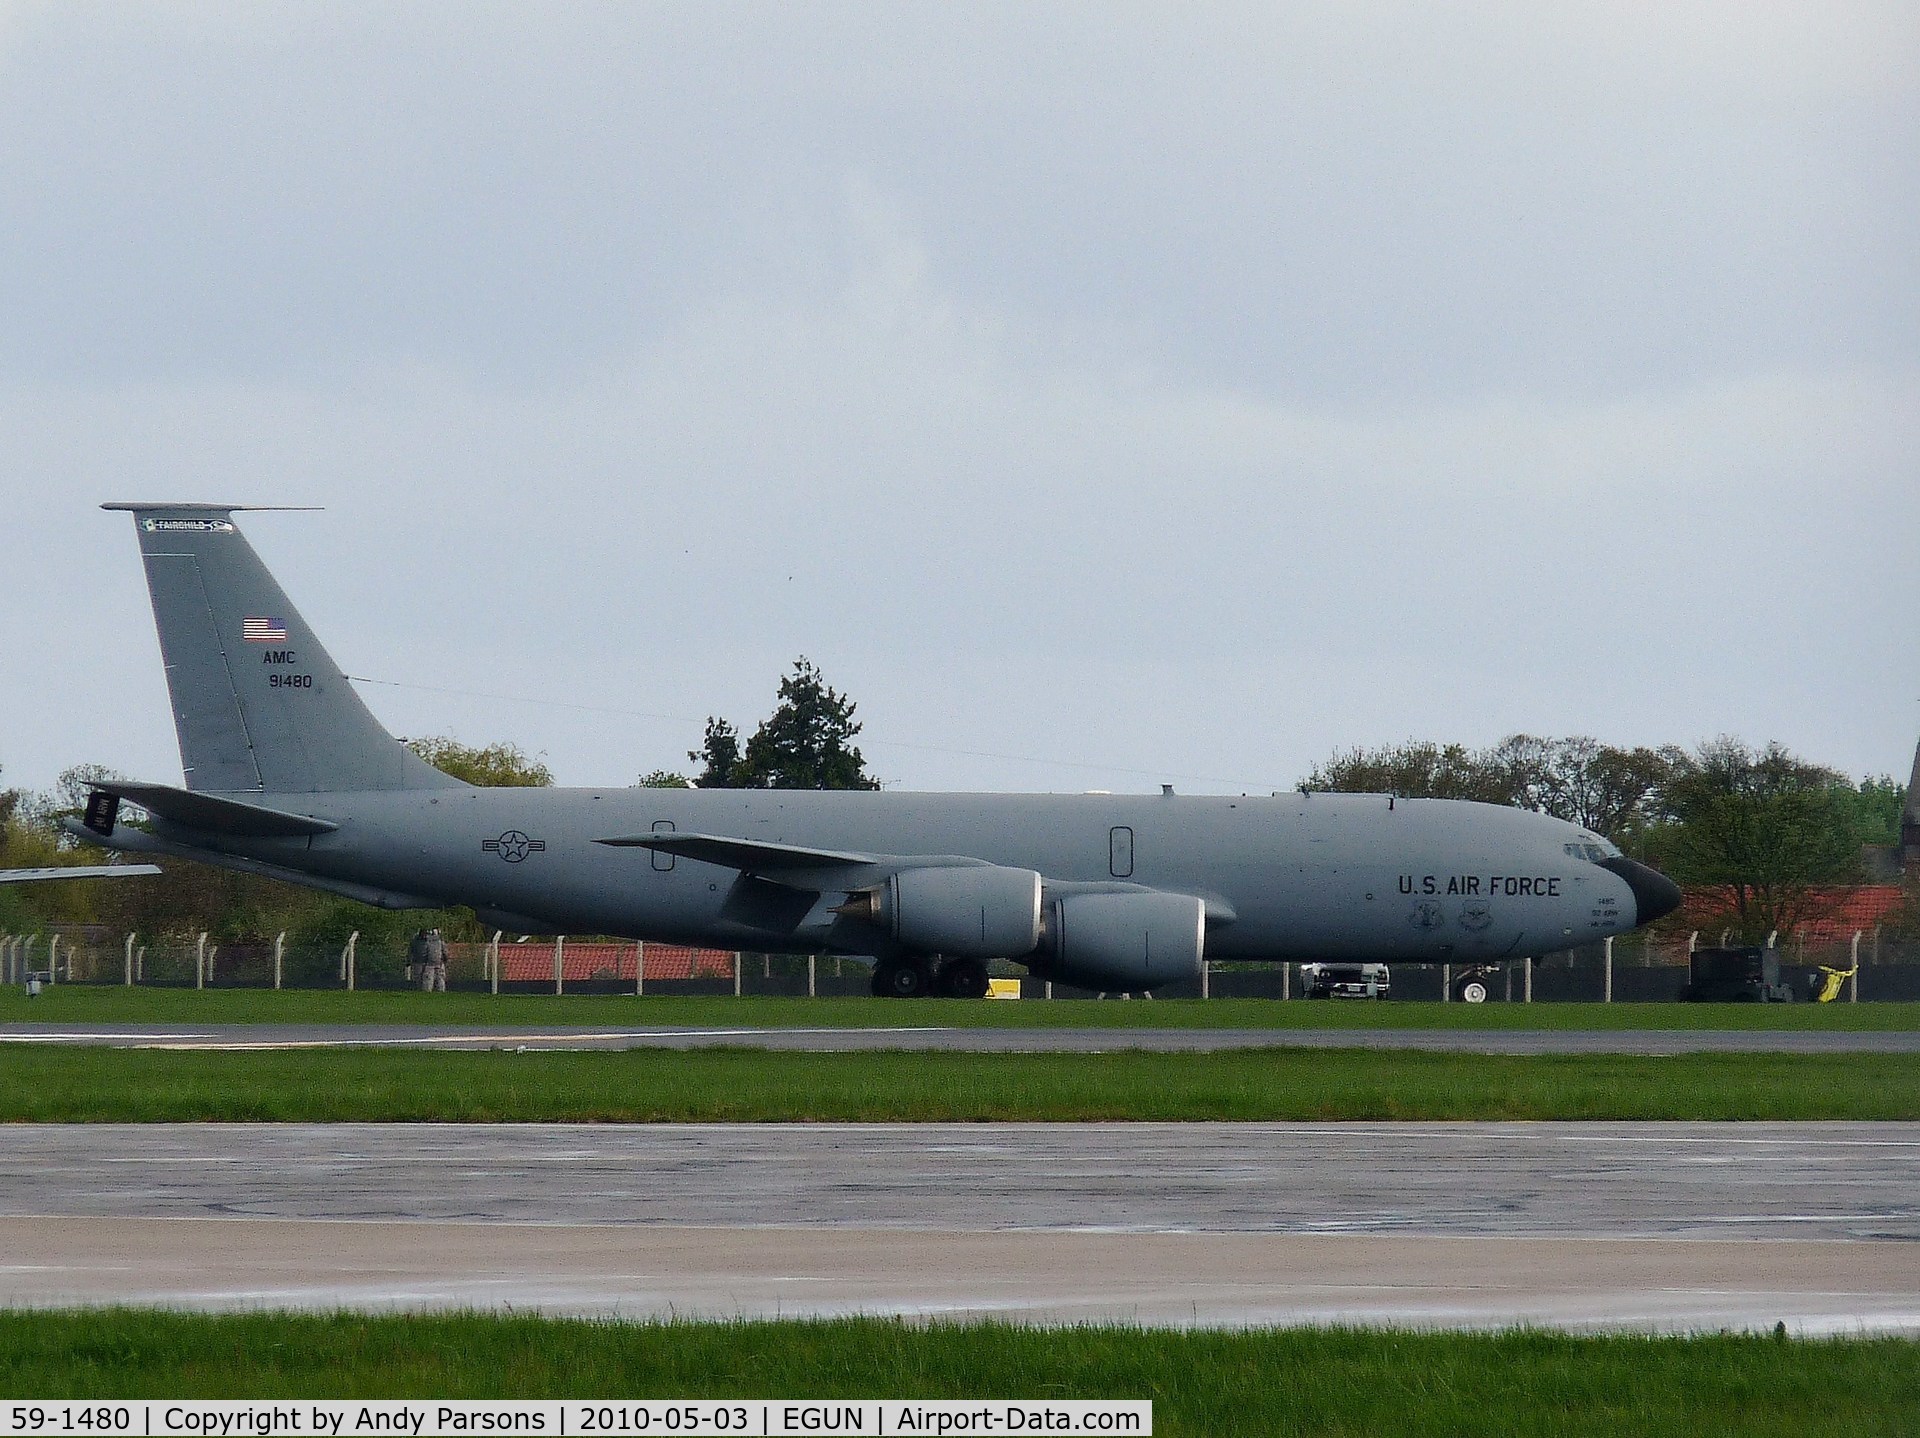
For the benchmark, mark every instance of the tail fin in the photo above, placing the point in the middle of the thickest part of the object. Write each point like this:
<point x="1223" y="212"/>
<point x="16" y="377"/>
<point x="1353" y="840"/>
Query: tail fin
<point x="258" y="704"/>
<point x="1910" y="816"/>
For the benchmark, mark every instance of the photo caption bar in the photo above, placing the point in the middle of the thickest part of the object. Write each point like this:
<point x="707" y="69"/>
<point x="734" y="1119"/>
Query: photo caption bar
<point x="568" y="1418"/>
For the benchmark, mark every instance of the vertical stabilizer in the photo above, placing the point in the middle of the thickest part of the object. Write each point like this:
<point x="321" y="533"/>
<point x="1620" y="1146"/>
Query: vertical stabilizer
<point x="1910" y="816"/>
<point x="258" y="704"/>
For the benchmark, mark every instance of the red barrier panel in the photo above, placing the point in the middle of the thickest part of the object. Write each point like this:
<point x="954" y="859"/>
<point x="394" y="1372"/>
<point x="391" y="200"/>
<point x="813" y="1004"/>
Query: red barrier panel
<point x="582" y="962"/>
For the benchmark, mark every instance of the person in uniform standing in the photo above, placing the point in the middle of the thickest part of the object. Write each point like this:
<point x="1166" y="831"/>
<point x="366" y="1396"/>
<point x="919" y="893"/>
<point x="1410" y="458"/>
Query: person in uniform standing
<point x="427" y="961"/>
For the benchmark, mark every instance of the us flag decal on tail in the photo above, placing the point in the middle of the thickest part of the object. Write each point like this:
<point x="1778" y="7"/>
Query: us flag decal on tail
<point x="263" y="631"/>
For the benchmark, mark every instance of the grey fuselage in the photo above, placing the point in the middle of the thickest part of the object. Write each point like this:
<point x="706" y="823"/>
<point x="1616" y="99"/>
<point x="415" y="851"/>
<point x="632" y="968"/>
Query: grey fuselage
<point x="1291" y="876"/>
<point x="290" y="775"/>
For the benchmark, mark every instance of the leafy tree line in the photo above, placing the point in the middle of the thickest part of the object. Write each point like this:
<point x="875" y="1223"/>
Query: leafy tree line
<point x="1760" y="826"/>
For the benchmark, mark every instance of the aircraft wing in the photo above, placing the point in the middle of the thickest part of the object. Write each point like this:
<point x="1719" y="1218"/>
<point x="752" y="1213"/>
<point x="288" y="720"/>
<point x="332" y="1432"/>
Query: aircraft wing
<point x="77" y="871"/>
<point x="750" y="856"/>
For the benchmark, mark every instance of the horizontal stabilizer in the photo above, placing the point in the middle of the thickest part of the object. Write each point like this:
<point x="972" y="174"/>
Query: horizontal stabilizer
<point x="750" y="856"/>
<point x="77" y="871"/>
<point x="214" y="816"/>
<point x="139" y="841"/>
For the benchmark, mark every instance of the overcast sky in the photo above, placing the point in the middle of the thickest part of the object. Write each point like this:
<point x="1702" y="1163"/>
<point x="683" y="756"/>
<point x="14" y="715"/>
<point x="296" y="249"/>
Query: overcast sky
<point x="1099" y="394"/>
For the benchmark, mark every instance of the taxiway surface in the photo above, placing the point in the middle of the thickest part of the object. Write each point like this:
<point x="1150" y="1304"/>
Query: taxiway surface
<point x="962" y="1040"/>
<point x="1656" y="1226"/>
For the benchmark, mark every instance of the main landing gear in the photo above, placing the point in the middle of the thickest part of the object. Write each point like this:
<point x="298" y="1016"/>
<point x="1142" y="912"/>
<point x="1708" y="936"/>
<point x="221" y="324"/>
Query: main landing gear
<point x="916" y="978"/>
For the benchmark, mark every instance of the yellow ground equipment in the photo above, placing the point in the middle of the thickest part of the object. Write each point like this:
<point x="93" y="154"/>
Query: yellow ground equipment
<point x="1826" y="987"/>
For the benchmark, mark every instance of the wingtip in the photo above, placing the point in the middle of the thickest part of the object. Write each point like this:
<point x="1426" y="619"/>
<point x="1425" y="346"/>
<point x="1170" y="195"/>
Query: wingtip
<point x="140" y="506"/>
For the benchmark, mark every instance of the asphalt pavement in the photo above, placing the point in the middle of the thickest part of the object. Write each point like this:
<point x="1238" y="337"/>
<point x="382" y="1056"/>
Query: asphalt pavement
<point x="1646" y="1226"/>
<point x="961" y="1040"/>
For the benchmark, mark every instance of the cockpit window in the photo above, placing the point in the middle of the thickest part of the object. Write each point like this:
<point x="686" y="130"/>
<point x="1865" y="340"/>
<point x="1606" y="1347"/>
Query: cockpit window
<point x="1592" y="853"/>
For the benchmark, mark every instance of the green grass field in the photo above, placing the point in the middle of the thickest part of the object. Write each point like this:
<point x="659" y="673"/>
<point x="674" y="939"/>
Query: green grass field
<point x="739" y="1085"/>
<point x="1289" y="1381"/>
<point x="109" y="1004"/>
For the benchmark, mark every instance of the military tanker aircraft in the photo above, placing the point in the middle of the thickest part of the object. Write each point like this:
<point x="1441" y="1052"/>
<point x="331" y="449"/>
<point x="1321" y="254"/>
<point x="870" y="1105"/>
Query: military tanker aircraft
<point x="289" y="775"/>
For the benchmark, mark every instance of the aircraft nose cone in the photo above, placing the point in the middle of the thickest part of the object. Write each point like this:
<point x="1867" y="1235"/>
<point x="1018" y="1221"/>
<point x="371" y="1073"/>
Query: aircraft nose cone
<point x="1654" y="894"/>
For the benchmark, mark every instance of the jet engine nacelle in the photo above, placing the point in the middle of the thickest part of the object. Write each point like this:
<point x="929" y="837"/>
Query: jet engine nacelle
<point x="980" y="911"/>
<point x="1123" y="943"/>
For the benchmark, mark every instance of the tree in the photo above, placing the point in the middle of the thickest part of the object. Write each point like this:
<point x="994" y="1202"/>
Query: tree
<point x="1583" y="781"/>
<point x="806" y="743"/>
<point x="1875" y="804"/>
<point x="1762" y="825"/>
<point x="664" y="779"/>
<point x="1578" y="779"/>
<point x="718" y="756"/>
<point x="1416" y="770"/>
<point x="496" y="766"/>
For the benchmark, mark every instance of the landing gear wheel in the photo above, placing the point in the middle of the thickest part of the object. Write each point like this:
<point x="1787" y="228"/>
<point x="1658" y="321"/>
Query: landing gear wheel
<point x="901" y="979"/>
<point x="964" y="979"/>
<point x="1473" y="991"/>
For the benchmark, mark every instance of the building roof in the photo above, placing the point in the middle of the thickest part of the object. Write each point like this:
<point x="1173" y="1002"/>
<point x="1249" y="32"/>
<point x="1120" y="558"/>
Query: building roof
<point x="1833" y="913"/>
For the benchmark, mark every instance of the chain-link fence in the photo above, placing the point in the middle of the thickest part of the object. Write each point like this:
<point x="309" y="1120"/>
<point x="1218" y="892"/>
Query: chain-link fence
<point x="1644" y="968"/>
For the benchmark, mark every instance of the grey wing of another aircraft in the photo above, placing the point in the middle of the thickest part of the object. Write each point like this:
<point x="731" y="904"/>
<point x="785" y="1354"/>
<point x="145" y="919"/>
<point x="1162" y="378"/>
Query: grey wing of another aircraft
<point x="288" y="775"/>
<point x="77" y="871"/>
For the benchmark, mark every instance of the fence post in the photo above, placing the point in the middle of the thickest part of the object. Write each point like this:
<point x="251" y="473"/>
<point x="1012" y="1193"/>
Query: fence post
<point x="1528" y="992"/>
<point x="1286" y="979"/>
<point x="736" y="973"/>
<point x="1606" y="984"/>
<point x="127" y="981"/>
<point x="1693" y="941"/>
<point x="810" y="964"/>
<point x="349" y="960"/>
<point x="200" y="961"/>
<point x="1853" y="980"/>
<point x="53" y="960"/>
<point x="639" y="967"/>
<point x="493" y="963"/>
<point x="26" y="956"/>
<point x="1446" y="983"/>
<point x="279" y="954"/>
<point x="1048" y="992"/>
<point x="1206" y="978"/>
<point x="1876" y="944"/>
<point x="140" y="964"/>
<point x="559" y="958"/>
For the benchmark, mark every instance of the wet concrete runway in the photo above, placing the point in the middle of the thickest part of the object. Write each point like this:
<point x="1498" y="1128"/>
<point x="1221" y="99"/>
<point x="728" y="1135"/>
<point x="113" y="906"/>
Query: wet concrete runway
<point x="969" y="1040"/>
<point x="1663" y="1226"/>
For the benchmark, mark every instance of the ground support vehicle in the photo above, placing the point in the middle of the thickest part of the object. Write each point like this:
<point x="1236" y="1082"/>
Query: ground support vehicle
<point x="1735" y="976"/>
<point x="1346" y="981"/>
